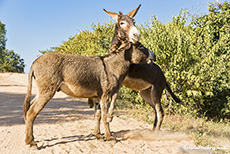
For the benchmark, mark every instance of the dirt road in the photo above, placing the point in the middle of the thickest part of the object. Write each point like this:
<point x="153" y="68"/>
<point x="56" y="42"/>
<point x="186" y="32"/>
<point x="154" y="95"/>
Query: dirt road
<point x="66" y="124"/>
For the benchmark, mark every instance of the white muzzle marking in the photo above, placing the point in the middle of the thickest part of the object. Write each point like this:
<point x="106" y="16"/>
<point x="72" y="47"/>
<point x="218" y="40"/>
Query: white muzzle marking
<point x="134" y="35"/>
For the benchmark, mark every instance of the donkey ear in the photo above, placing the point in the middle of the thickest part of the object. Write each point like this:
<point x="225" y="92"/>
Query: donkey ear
<point x="134" y="12"/>
<point x="111" y="14"/>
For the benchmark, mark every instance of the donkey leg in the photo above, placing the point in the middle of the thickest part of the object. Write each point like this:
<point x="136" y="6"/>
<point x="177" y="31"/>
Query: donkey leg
<point x="104" y="111"/>
<point x="156" y="119"/>
<point x="90" y="103"/>
<point x="97" y="132"/>
<point x="146" y="95"/>
<point x="112" y="104"/>
<point x="111" y="108"/>
<point x="35" y="108"/>
<point x="29" y="132"/>
<point x="156" y="99"/>
<point x="160" y="115"/>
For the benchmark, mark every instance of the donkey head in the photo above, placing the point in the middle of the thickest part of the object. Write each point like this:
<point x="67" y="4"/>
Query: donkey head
<point x="139" y="54"/>
<point x="125" y="29"/>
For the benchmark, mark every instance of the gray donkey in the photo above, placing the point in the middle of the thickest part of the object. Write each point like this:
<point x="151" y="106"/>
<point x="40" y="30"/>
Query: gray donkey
<point x="85" y="77"/>
<point x="146" y="78"/>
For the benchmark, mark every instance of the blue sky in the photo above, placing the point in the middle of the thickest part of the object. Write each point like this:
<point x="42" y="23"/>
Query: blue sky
<point x="34" y="25"/>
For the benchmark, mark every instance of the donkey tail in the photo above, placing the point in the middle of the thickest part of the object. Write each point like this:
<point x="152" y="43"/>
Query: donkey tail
<point x="28" y="94"/>
<point x="173" y="95"/>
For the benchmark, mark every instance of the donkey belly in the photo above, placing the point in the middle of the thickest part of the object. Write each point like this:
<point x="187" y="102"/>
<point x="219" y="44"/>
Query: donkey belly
<point x="78" y="91"/>
<point x="136" y="83"/>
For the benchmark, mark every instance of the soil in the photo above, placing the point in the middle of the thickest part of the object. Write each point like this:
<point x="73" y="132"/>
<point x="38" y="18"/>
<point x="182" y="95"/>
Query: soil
<point x="66" y="124"/>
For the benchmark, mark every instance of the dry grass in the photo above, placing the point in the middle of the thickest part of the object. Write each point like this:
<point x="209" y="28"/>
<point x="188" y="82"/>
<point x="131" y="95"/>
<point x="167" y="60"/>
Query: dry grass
<point x="203" y="132"/>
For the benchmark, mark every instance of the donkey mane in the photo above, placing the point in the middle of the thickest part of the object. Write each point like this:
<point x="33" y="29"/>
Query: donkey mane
<point x="115" y="39"/>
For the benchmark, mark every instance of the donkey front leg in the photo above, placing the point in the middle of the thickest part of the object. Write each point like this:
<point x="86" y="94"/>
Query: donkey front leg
<point x="111" y="108"/>
<point x="97" y="132"/>
<point x="104" y="111"/>
<point x="112" y="104"/>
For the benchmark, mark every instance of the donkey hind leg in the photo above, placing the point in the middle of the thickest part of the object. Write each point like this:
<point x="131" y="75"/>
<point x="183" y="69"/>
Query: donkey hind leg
<point x="97" y="132"/>
<point x="156" y="93"/>
<point x="145" y="94"/>
<point x="153" y="97"/>
<point x="37" y="105"/>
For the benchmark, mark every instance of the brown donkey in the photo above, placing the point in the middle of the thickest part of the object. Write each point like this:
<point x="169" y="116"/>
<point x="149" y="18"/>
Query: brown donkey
<point x="78" y="76"/>
<point x="85" y="77"/>
<point x="146" y="78"/>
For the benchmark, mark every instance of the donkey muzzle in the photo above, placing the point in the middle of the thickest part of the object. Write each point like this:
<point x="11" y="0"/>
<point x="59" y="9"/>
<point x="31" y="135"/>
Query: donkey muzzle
<point x="134" y="35"/>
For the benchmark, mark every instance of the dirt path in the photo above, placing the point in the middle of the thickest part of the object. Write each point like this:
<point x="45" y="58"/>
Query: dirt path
<point x="65" y="126"/>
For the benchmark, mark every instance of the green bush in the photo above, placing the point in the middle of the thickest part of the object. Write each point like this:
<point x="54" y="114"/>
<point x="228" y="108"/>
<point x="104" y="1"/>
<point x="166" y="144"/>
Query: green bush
<point x="194" y="57"/>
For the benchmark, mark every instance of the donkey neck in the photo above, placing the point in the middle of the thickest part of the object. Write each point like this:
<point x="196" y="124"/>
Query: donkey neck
<point x="118" y="63"/>
<point x="115" y="39"/>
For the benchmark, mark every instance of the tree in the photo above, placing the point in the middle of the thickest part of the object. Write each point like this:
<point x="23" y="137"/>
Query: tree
<point x="2" y="39"/>
<point x="9" y="60"/>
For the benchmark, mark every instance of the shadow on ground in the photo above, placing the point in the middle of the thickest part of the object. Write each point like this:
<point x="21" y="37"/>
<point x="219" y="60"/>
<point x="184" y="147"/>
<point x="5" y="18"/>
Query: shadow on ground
<point x="57" y="110"/>
<point x="67" y="139"/>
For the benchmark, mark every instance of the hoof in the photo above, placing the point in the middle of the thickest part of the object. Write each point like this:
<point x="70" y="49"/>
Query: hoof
<point x="33" y="146"/>
<point x="99" y="137"/>
<point x="156" y="130"/>
<point x="111" y="138"/>
<point x="109" y="119"/>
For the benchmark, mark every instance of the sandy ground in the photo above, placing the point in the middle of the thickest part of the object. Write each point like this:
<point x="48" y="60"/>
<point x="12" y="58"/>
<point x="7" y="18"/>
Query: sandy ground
<point x="66" y="124"/>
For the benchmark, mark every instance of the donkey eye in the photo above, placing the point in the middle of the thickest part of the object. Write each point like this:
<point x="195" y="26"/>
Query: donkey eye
<point x="122" y="23"/>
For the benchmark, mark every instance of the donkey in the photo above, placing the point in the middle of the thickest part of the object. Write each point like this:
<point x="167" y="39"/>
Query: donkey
<point x="84" y="77"/>
<point x="146" y="78"/>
